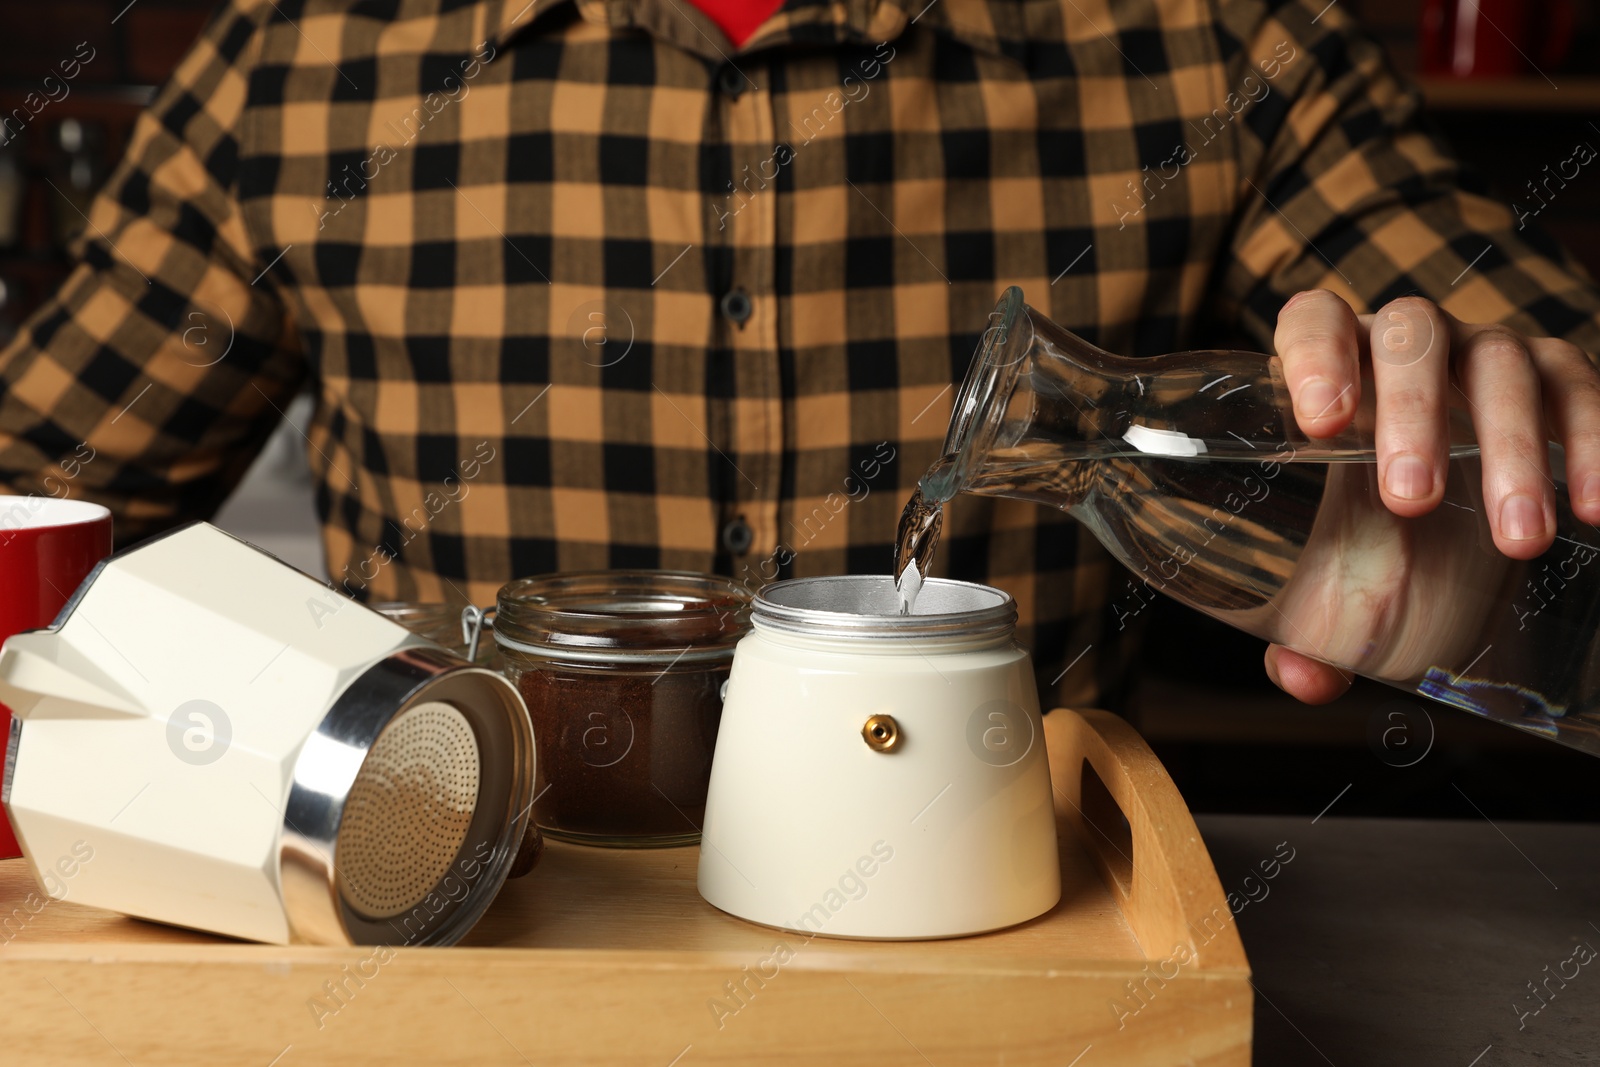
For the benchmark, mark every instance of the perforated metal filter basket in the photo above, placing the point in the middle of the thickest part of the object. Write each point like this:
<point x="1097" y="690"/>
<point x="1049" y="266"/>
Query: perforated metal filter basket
<point x="409" y="811"/>
<point x="411" y="849"/>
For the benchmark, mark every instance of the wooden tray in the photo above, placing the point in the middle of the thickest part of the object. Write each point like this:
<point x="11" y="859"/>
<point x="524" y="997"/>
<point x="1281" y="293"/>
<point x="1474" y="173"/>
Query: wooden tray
<point x="603" y="956"/>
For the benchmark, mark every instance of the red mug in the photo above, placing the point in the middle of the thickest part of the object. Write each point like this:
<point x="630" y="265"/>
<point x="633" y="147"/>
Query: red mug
<point x="1494" y="38"/>
<point x="47" y="547"/>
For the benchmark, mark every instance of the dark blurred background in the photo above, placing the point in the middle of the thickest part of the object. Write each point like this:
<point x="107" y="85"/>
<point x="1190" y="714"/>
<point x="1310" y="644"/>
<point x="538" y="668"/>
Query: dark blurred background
<point x="1229" y="738"/>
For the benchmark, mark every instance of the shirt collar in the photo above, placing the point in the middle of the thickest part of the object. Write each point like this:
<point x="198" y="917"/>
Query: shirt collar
<point x="996" y="27"/>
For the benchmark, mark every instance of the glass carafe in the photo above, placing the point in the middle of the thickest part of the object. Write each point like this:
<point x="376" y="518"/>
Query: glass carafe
<point x="1191" y="470"/>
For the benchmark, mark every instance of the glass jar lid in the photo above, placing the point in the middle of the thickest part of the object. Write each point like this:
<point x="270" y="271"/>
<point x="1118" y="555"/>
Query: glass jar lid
<point x="662" y="616"/>
<point x="439" y="623"/>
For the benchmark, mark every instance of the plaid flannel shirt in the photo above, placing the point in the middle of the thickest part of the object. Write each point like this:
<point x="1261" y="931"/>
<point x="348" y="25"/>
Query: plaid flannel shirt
<point x="577" y="283"/>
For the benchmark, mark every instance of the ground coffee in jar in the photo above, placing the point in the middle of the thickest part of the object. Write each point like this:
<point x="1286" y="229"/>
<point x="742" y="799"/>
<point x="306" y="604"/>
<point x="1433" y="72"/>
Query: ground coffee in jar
<point x="622" y="673"/>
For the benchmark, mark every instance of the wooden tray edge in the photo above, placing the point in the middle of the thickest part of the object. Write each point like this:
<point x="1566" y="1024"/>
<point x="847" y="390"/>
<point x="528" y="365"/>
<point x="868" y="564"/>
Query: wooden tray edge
<point x="1130" y="816"/>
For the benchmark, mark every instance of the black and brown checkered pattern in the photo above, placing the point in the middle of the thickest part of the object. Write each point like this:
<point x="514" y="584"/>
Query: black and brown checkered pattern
<point x="579" y="284"/>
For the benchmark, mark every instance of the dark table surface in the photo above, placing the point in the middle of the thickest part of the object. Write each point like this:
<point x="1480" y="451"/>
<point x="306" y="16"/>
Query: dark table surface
<point x="1413" y="943"/>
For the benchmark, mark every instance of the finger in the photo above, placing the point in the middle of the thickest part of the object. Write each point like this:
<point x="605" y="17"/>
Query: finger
<point x="1501" y="385"/>
<point x="1410" y="340"/>
<point x="1319" y="341"/>
<point x="1307" y="680"/>
<point x="1571" y="388"/>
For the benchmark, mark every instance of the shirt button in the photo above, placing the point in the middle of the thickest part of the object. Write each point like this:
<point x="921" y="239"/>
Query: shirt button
<point x="736" y="306"/>
<point x="737" y="537"/>
<point x="730" y="81"/>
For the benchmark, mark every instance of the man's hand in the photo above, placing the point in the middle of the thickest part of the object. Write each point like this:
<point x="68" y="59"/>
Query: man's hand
<point x="1522" y="392"/>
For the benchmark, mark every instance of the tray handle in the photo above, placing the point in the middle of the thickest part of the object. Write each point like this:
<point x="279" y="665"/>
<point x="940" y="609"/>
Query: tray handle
<point x="1131" y="819"/>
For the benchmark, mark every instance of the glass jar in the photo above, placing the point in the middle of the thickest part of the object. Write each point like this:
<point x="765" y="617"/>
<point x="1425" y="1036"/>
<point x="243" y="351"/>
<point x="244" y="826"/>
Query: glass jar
<point x="622" y="672"/>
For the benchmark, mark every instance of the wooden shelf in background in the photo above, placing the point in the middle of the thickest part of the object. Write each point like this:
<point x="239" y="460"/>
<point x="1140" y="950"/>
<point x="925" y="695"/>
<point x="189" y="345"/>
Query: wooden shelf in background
<point x="1527" y="94"/>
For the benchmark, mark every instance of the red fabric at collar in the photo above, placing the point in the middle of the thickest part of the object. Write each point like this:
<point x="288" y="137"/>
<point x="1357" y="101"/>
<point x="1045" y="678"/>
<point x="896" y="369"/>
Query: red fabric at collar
<point x="738" y="18"/>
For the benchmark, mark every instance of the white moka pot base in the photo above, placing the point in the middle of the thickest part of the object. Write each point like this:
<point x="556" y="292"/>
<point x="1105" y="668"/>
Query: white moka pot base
<point x="810" y="828"/>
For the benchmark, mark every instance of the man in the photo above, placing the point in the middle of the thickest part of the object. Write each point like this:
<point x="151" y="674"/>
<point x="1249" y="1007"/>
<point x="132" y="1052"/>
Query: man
<point x="590" y="283"/>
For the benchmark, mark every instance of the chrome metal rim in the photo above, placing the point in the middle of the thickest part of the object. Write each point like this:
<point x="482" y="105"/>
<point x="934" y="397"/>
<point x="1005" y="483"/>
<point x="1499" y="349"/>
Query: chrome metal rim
<point x="867" y="606"/>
